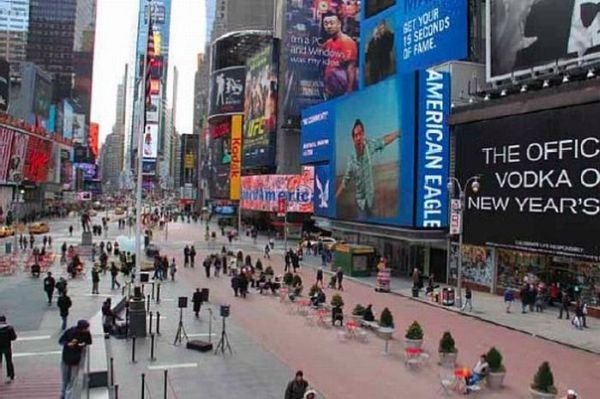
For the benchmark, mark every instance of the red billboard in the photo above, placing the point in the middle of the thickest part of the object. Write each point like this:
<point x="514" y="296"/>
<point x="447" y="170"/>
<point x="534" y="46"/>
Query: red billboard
<point x="93" y="138"/>
<point x="6" y="138"/>
<point x="38" y="160"/>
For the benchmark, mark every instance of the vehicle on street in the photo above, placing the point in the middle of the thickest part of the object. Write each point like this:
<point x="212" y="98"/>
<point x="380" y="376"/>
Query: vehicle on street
<point x="119" y="211"/>
<point x="39" y="228"/>
<point x="328" y="242"/>
<point x="6" y="231"/>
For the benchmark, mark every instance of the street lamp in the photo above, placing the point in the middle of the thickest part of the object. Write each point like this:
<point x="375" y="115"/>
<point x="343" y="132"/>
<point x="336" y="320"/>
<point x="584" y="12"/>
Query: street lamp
<point x="472" y="182"/>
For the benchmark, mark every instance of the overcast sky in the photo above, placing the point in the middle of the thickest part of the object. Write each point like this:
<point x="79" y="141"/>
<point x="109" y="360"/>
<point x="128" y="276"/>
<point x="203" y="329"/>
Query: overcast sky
<point x="116" y="24"/>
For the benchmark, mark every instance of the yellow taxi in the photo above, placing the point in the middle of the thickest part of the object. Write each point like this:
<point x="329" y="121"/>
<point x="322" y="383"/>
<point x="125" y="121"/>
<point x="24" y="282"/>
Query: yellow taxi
<point x="6" y="231"/>
<point x="119" y="211"/>
<point x="39" y="228"/>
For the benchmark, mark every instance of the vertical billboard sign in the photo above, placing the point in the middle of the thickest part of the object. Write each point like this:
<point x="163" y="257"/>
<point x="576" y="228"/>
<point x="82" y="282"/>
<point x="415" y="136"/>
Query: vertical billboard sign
<point x="150" y="147"/>
<point x="317" y="134"/>
<point x="433" y="31"/>
<point x="6" y="139"/>
<point x="68" y="118"/>
<point x="18" y="155"/>
<point x="4" y="84"/>
<point x="378" y="48"/>
<point x="323" y="192"/>
<point x="152" y="110"/>
<point x="227" y="91"/>
<point x="38" y="160"/>
<point x="260" y="108"/>
<point x="235" y="167"/>
<point x="322" y="52"/>
<point x="42" y="96"/>
<point x="79" y="128"/>
<point x="93" y="138"/>
<point x="433" y="149"/>
<point x="374" y="142"/>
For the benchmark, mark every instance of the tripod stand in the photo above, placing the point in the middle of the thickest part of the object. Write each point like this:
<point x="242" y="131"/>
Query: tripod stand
<point x="224" y="341"/>
<point x="180" y="330"/>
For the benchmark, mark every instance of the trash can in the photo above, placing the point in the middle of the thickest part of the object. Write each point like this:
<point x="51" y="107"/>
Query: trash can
<point x="8" y="247"/>
<point x="415" y="292"/>
<point x="448" y="296"/>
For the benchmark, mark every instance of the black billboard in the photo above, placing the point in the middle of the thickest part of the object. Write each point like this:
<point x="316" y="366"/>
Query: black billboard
<point x="4" y="84"/>
<point x="540" y="180"/>
<point x="227" y="91"/>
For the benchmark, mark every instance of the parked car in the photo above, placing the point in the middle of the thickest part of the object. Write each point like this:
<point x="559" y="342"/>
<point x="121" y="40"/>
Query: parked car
<point x="39" y="228"/>
<point x="328" y="242"/>
<point x="6" y="231"/>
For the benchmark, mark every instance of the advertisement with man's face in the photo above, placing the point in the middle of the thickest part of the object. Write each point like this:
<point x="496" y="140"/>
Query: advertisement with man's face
<point x="321" y="42"/>
<point x="374" y="155"/>
<point x="539" y="181"/>
<point x="379" y="48"/>
<point x="150" y="146"/>
<point x="523" y="34"/>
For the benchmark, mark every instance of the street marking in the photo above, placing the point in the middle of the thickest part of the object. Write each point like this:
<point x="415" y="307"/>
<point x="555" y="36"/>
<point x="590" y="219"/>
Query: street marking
<point x="201" y="335"/>
<point x="154" y="317"/>
<point x="27" y="354"/>
<point x="99" y="295"/>
<point x="34" y="338"/>
<point x="173" y="366"/>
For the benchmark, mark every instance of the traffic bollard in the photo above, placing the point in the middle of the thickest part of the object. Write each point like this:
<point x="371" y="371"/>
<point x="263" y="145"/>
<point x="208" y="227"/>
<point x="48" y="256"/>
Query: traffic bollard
<point x="165" y="384"/>
<point x="143" y="384"/>
<point x="157" y="323"/>
<point x="148" y="303"/>
<point x="112" y="371"/>
<point x="133" y="349"/>
<point x="158" y="293"/>
<point x="117" y="391"/>
<point x="152" y="347"/>
<point x="150" y="323"/>
<point x="153" y="290"/>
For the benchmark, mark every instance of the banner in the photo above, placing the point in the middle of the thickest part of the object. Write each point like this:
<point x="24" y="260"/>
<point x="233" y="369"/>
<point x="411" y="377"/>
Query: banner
<point x="379" y="48"/>
<point x="433" y="32"/>
<point x="152" y="109"/>
<point x="321" y="51"/>
<point x="18" y="155"/>
<point x="79" y="128"/>
<point x="68" y="120"/>
<point x="150" y="147"/>
<point x="539" y="181"/>
<point x="318" y="132"/>
<point x="522" y="35"/>
<point x="227" y="91"/>
<point x="433" y="150"/>
<point x="6" y="139"/>
<point x="324" y="191"/>
<point x="93" y="138"/>
<point x="262" y="192"/>
<point x="260" y="108"/>
<point x="38" y="159"/>
<point x="235" y="167"/>
<point x="4" y="84"/>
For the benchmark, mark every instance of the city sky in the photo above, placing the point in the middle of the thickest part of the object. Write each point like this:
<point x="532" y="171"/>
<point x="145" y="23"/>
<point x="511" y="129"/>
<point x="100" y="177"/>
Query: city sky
<point x="116" y="25"/>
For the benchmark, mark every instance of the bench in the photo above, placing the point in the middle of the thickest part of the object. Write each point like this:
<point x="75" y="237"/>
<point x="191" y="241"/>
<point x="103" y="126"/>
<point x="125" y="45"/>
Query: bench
<point x="371" y="325"/>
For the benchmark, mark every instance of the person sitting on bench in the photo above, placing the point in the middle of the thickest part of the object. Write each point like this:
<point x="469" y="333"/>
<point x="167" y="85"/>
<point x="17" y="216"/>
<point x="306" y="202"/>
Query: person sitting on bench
<point x="35" y="270"/>
<point x="479" y="371"/>
<point x="368" y="315"/>
<point x="318" y="298"/>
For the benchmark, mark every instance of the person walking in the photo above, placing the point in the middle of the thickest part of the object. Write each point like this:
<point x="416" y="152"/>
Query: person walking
<point x="95" y="280"/>
<point x="564" y="305"/>
<point x="319" y="281"/>
<point x="287" y="262"/>
<point x="206" y="265"/>
<point x="64" y="303"/>
<point x="61" y="286"/>
<point x="339" y="276"/>
<point x="49" y="285"/>
<point x="297" y="387"/>
<point x="114" y="272"/>
<point x="192" y="256"/>
<point x="73" y="341"/>
<point x="267" y="254"/>
<point x="509" y="297"/>
<point x="186" y="256"/>
<point x="197" y="301"/>
<point x="524" y="295"/>
<point x="468" y="300"/>
<point x="7" y="335"/>
<point x="71" y="231"/>
<point x="173" y="269"/>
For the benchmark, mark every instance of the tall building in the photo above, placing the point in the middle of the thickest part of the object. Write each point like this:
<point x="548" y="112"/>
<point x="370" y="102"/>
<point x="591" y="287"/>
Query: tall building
<point x="200" y="96"/>
<point x="111" y="161"/>
<point x="233" y="15"/>
<point x="14" y="24"/>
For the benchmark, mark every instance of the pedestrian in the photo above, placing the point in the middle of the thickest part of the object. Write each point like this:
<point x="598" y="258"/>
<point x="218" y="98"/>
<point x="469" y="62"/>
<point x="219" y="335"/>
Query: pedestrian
<point x="95" y="280"/>
<point x="297" y="387"/>
<point x="267" y="254"/>
<point x="192" y="256"/>
<point x="217" y="266"/>
<point x="235" y="283"/>
<point x="50" y="241"/>
<point x="287" y="261"/>
<point x="416" y="278"/>
<point x="61" y="286"/>
<point x="73" y="341"/>
<point x="44" y="241"/>
<point x="339" y="276"/>
<point x="173" y="269"/>
<point x="523" y="294"/>
<point x="7" y="335"/>
<point x="197" y="301"/>
<point x="320" y="277"/>
<point x="70" y="231"/>
<point x="63" y="253"/>
<point x="49" y="285"/>
<point x="578" y="319"/>
<point x="114" y="272"/>
<point x="93" y="253"/>
<point x="186" y="256"/>
<point x="468" y="299"/>
<point x="64" y="303"/>
<point x="571" y="394"/>
<point x="564" y="305"/>
<point x="206" y="265"/>
<point x="509" y="297"/>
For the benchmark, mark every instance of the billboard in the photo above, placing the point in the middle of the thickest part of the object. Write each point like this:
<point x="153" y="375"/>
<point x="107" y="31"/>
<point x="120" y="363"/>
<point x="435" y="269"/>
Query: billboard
<point x="42" y="96"/>
<point x="317" y="124"/>
<point x="374" y="153"/>
<point x="373" y="7"/>
<point x="79" y="128"/>
<point x="18" y="154"/>
<point x="219" y="181"/>
<point x="378" y="49"/>
<point x="93" y="138"/>
<point x="539" y="181"/>
<point x="324" y="191"/>
<point x="433" y="150"/>
<point x="89" y="170"/>
<point x="152" y="109"/>
<point x="260" y="108"/>
<point x="322" y="52"/>
<point x="66" y="168"/>
<point x="150" y="147"/>
<point x="68" y="120"/>
<point x="433" y="32"/>
<point x="6" y="139"/>
<point x="522" y="35"/>
<point x="227" y="91"/>
<point x="262" y="192"/>
<point x="4" y="84"/>
<point x="38" y="160"/>
<point x="235" y="166"/>
<point x="148" y="167"/>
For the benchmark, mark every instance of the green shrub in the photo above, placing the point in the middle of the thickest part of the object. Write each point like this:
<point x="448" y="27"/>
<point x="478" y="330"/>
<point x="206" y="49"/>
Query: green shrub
<point x="337" y="301"/>
<point x="313" y="290"/>
<point x="359" y="310"/>
<point x="544" y="380"/>
<point x="297" y="281"/>
<point x="447" y="344"/>
<point x="386" y="320"/>
<point x="269" y="271"/>
<point x="240" y="256"/>
<point x="288" y="278"/>
<point x="258" y="266"/>
<point x="494" y="359"/>
<point x="414" y="331"/>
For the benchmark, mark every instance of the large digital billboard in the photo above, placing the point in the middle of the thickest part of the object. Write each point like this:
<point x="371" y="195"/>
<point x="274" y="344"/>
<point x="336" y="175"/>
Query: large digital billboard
<point x="42" y="96"/>
<point x="321" y="47"/>
<point x="324" y="191"/>
<point x="68" y="118"/>
<point x="4" y="84"/>
<point x="374" y="142"/>
<point x="522" y="35"/>
<point x="38" y="159"/>
<point x="539" y="181"/>
<point x="18" y="155"/>
<point x="6" y="139"/>
<point x="227" y="91"/>
<point x="260" y="108"/>
<point x="79" y="128"/>
<point x="262" y="192"/>
<point x="150" y="147"/>
<point x="433" y="31"/>
<point x="317" y="133"/>
<point x="379" y="49"/>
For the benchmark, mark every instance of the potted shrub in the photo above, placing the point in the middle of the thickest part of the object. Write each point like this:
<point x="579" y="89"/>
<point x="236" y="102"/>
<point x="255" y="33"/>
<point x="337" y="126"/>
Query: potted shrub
<point x="447" y="350"/>
<point x="543" y="383"/>
<point x="358" y="312"/>
<point x="337" y="301"/>
<point x="296" y="281"/>
<point x="496" y="373"/>
<point x="336" y="310"/>
<point x="269" y="272"/>
<point x="288" y="279"/>
<point x="414" y="336"/>
<point x="259" y="266"/>
<point x="313" y="290"/>
<point x="386" y="324"/>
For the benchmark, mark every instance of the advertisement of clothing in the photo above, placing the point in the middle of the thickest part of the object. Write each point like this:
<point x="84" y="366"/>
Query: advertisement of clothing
<point x="260" y="108"/>
<point x="433" y="32"/>
<point x="324" y="191"/>
<point x="18" y="155"/>
<point x="378" y="48"/>
<point x="6" y="139"/>
<point x="539" y="33"/>
<point x="79" y="129"/>
<point x="321" y="48"/>
<point x="4" y="84"/>
<point x="477" y="264"/>
<point x="374" y="154"/>
<point x="150" y="146"/>
<point x="227" y="91"/>
<point x="317" y="134"/>
<point x="152" y="109"/>
<point x="539" y="181"/>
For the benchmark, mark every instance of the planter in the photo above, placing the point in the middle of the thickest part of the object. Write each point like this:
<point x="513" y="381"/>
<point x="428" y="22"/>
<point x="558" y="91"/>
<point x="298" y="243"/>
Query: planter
<point x="385" y="333"/>
<point x="357" y="318"/>
<point x="413" y="343"/>
<point x="495" y="380"/>
<point x="540" y="395"/>
<point x="448" y="359"/>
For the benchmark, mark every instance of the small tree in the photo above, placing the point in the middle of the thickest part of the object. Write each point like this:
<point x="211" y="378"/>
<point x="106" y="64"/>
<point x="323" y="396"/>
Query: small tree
<point x="494" y="359"/>
<point x="359" y="310"/>
<point x="313" y="290"/>
<point x="337" y="301"/>
<point x="288" y="278"/>
<point x="240" y="256"/>
<point x="258" y="266"/>
<point x="544" y="380"/>
<point x="387" y="319"/>
<point x="414" y="331"/>
<point x="248" y="260"/>
<point x="269" y="271"/>
<point x="297" y="281"/>
<point x="447" y="344"/>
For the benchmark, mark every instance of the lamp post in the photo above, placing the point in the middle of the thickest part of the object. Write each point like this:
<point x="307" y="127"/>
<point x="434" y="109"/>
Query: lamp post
<point x="472" y="182"/>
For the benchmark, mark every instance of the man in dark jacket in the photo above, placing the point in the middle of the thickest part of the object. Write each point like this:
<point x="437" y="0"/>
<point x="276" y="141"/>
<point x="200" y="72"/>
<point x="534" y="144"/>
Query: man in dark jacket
<point x="297" y="387"/>
<point x="73" y="341"/>
<point x="49" y="284"/>
<point x="197" y="301"/>
<point x="95" y="280"/>
<point x="192" y="256"/>
<point x="7" y="335"/>
<point x="186" y="256"/>
<point x="64" y="303"/>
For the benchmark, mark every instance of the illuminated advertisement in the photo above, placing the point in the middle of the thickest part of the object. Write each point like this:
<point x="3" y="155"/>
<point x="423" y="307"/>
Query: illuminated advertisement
<point x="152" y="109"/>
<point x="68" y="119"/>
<point x="88" y="170"/>
<point x="150" y="147"/>
<point x="235" y="167"/>
<point x="42" y="97"/>
<point x="321" y="47"/>
<point x="6" y="139"/>
<point x="262" y="192"/>
<point x="318" y="124"/>
<point x="38" y="160"/>
<point x="227" y="91"/>
<point x="18" y="155"/>
<point x="93" y="138"/>
<point x="260" y="108"/>
<point x="324" y="191"/>
<point x="148" y="167"/>
<point x="379" y="48"/>
<point x="79" y="128"/>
